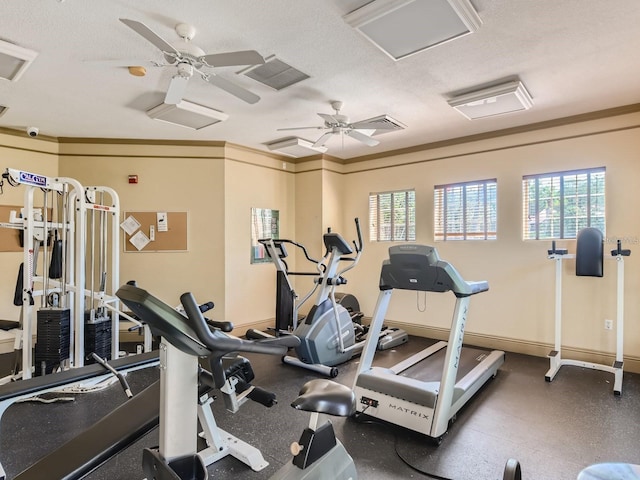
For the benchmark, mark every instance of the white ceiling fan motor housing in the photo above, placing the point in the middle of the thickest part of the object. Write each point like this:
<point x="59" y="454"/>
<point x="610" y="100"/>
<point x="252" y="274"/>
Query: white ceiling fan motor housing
<point x="185" y="69"/>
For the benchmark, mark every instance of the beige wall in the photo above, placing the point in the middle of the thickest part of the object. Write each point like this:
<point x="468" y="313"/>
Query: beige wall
<point x="519" y="307"/>
<point x="180" y="180"/>
<point x="218" y="185"/>
<point x="263" y="183"/>
<point x="319" y="198"/>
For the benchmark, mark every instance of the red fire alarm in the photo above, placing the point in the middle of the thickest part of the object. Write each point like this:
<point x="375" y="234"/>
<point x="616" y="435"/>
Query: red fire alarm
<point x="133" y="178"/>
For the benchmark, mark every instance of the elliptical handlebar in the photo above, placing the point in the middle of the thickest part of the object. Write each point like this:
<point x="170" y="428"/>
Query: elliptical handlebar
<point x="360" y="244"/>
<point x="278" y="245"/>
<point x="358" y="247"/>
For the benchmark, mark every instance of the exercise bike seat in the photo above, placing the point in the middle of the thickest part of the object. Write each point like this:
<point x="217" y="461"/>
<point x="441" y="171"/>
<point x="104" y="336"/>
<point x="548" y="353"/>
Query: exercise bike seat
<point x="326" y="396"/>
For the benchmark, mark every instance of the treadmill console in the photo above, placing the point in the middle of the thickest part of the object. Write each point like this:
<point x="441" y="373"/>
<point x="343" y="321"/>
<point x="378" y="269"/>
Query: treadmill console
<point x="418" y="267"/>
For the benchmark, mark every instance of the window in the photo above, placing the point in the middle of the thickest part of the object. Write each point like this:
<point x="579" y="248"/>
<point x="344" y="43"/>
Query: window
<point x="558" y="205"/>
<point x="392" y="216"/>
<point x="466" y="211"/>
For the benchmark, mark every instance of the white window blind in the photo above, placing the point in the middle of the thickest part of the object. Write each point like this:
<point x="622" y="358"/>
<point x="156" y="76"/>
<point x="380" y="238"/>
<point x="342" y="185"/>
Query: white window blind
<point x="558" y="205"/>
<point x="392" y="216"/>
<point x="466" y="211"/>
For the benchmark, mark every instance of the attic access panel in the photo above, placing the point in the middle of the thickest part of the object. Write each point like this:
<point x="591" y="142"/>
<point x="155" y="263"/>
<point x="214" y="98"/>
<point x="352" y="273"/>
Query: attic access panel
<point x="401" y="28"/>
<point x="14" y="60"/>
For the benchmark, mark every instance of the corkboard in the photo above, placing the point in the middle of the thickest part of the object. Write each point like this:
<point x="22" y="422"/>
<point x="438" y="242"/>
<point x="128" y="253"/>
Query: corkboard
<point x="9" y="237"/>
<point x="173" y="240"/>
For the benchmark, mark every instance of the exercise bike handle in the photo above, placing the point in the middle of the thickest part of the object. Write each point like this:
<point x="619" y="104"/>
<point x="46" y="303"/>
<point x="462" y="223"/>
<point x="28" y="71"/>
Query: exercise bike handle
<point x="205" y="307"/>
<point x="220" y="344"/>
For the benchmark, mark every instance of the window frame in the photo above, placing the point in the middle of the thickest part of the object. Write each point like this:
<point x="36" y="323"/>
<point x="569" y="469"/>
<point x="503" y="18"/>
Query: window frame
<point x="442" y="234"/>
<point x="409" y="215"/>
<point x="563" y="205"/>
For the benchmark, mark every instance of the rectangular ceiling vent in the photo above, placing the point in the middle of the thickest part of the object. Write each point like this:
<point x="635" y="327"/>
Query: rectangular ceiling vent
<point x="275" y="73"/>
<point x="401" y="28"/>
<point x="14" y="60"/>
<point x="295" y="147"/>
<point x="384" y="124"/>
<point x="497" y="100"/>
<point x="187" y="114"/>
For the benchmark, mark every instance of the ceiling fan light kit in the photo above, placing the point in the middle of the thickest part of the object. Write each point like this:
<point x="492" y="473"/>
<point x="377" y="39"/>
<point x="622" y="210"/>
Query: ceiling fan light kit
<point x="187" y="114"/>
<point x="14" y="60"/>
<point x="497" y="100"/>
<point x="401" y="28"/>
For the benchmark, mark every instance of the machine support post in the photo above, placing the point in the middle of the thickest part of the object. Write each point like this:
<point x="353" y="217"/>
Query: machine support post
<point x="178" y="402"/>
<point x="450" y="368"/>
<point x="375" y="327"/>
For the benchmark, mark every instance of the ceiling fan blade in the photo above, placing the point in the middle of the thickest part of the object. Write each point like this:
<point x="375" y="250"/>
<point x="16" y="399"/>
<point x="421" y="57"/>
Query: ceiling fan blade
<point x="299" y="128"/>
<point x="323" y="139"/>
<point x="230" y="87"/>
<point x="121" y="63"/>
<point x="363" y="138"/>
<point x="144" y="31"/>
<point x="176" y="90"/>
<point x="328" y="118"/>
<point x="368" y="131"/>
<point x="245" y="57"/>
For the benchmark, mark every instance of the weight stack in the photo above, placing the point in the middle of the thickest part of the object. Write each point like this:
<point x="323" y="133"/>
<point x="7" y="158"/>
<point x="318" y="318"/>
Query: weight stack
<point x="52" y="339"/>
<point x="97" y="337"/>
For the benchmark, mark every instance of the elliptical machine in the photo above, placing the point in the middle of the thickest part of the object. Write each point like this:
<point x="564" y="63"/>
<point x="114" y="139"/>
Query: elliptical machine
<point x="288" y="302"/>
<point x="328" y="335"/>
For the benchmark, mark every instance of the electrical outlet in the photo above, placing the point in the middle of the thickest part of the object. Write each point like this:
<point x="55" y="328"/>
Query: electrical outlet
<point x="608" y="324"/>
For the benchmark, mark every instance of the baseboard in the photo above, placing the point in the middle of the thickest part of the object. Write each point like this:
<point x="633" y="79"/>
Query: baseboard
<point x="7" y="341"/>
<point x="536" y="349"/>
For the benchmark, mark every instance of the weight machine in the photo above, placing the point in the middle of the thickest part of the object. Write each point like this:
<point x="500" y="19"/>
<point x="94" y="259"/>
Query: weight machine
<point x="86" y="262"/>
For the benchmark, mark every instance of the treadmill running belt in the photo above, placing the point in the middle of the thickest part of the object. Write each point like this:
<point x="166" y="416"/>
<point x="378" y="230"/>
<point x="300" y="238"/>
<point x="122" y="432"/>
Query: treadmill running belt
<point x="430" y="369"/>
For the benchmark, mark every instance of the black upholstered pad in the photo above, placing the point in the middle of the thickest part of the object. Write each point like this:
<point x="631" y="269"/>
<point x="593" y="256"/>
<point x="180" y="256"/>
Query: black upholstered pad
<point x="325" y="396"/>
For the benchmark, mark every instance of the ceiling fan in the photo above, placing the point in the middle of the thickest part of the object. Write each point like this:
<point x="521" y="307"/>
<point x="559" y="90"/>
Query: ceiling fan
<point x="338" y="124"/>
<point x="188" y="59"/>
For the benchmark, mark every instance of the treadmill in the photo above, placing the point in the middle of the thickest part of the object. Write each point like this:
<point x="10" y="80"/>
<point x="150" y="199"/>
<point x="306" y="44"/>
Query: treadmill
<point x="425" y="391"/>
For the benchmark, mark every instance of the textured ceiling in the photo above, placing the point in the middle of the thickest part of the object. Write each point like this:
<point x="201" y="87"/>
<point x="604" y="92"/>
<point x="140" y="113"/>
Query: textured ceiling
<point x="574" y="56"/>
